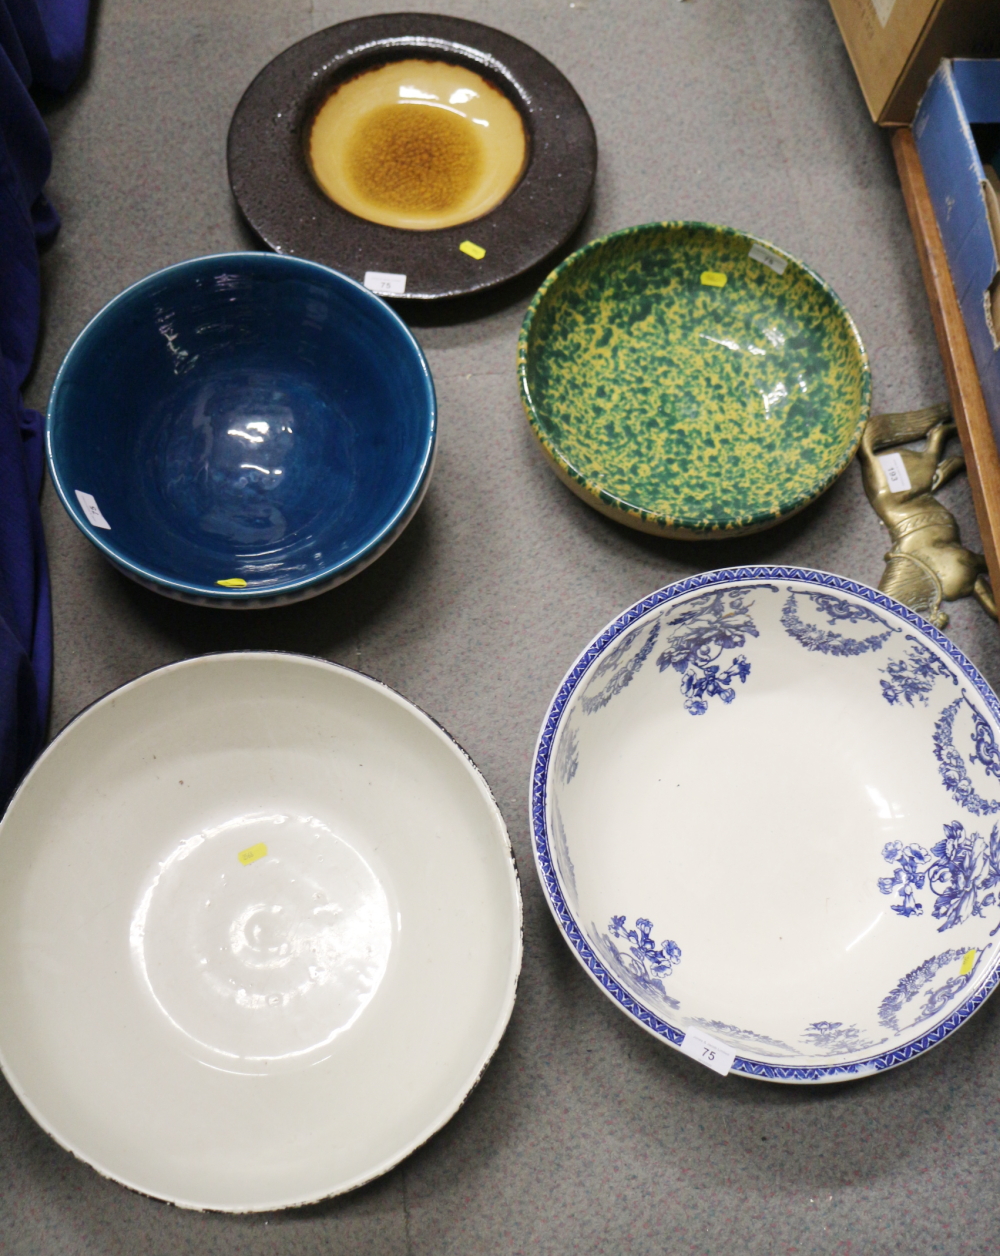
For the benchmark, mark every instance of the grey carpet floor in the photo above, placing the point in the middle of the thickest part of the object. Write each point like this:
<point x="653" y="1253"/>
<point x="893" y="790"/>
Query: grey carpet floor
<point x="586" y="1135"/>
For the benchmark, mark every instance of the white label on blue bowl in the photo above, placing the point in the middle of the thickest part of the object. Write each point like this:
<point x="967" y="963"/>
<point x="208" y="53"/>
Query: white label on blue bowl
<point x="708" y="1051"/>
<point x="767" y="258"/>
<point x="385" y="285"/>
<point x="895" y="472"/>
<point x="91" y="509"/>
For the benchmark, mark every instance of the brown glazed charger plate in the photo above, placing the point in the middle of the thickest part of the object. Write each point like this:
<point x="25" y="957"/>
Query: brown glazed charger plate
<point x="274" y="186"/>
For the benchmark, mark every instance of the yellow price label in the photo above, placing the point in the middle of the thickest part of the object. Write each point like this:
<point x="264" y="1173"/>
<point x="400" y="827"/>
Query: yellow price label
<point x="234" y="582"/>
<point x="713" y="279"/>
<point x="968" y="962"/>
<point x="472" y="250"/>
<point x="252" y="853"/>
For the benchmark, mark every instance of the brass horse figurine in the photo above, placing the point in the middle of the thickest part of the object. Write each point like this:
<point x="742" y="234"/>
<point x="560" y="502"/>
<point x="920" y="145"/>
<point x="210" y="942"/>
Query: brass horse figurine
<point x="927" y="563"/>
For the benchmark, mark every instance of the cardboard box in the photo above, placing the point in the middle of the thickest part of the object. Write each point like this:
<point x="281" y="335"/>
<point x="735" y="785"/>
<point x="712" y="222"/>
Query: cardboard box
<point x="896" y="45"/>
<point x="957" y="133"/>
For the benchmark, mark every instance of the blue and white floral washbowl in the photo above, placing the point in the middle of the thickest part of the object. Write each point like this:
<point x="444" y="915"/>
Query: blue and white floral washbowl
<point x="766" y="809"/>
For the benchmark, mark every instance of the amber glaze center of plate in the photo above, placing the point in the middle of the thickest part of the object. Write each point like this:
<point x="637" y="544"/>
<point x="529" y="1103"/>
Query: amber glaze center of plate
<point x="418" y="145"/>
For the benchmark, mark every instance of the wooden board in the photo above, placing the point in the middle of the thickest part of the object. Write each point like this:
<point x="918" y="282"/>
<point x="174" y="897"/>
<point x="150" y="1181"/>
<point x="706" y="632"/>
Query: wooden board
<point x="964" y="391"/>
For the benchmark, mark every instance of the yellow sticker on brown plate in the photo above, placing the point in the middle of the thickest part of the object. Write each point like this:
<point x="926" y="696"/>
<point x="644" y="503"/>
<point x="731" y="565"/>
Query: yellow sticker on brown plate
<point x="713" y="279"/>
<point x="473" y="250"/>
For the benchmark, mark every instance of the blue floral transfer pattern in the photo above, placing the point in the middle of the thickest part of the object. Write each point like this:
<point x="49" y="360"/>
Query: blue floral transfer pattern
<point x="623" y="662"/>
<point x="561" y="848"/>
<point x="951" y="764"/>
<point x="605" y="960"/>
<point x="839" y="612"/>
<point x="912" y="677"/>
<point x="649" y="958"/>
<point x="985" y="752"/>
<point x="733" y="1035"/>
<point x="907" y="989"/>
<point x="836" y="1038"/>
<point x="568" y="758"/>
<point x="962" y="871"/>
<point x="703" y="630"/>
<point x="641" y="961"/>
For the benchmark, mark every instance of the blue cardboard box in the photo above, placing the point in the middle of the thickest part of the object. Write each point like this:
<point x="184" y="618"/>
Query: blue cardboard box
<point x="957" y="132"/>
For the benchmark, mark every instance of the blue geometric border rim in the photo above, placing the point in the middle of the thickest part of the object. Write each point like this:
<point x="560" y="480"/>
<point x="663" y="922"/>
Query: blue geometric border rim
<point x="553" y="890"/>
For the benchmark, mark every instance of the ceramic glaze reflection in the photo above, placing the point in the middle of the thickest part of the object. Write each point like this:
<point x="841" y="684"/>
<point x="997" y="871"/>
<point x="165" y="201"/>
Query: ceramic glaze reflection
<point x="418" y="145"/>
<point x="255" y="458"/>
<point x="262" y="963"/>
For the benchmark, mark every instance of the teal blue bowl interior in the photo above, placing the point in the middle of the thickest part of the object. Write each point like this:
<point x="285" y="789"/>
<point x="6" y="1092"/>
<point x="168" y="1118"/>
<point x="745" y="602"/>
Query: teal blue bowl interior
<point x="243" y="427"/>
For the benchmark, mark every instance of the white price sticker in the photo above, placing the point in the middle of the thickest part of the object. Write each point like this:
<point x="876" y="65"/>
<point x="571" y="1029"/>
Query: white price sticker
<point x="895" y="472"/>
<point x="767" y="258"/>
<point x="91" y="509"/>
<point x="385" y="285"/>
<point x="708" y="1051"/>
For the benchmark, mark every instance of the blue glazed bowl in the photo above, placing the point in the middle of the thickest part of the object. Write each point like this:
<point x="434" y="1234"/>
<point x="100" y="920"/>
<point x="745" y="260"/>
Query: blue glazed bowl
<point x="243" y="430"/>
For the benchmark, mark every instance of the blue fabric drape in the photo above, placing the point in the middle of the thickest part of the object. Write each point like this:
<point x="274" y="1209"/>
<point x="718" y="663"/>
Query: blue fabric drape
<point x="41" y="43"/>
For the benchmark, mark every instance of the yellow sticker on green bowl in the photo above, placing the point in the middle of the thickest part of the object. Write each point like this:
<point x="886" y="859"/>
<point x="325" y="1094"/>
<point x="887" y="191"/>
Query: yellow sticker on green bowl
<point x="473" y="250"/>
<point x="713" y="279"/>
<point x="234" y="582"/>
<point x="252" y="853"/>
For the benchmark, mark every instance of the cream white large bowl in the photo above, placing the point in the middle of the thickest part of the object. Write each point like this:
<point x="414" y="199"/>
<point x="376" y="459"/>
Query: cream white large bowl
<point x="766" y="809"/>
<point x="259" y="932"/>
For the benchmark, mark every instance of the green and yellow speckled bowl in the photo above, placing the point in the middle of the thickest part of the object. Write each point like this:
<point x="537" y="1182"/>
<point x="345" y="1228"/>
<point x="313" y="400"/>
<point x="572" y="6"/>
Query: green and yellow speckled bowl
<point x="691" y="381"/>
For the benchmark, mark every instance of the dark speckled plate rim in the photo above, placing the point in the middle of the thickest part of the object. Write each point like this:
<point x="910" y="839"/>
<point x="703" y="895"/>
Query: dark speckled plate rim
<point x="637" y="516"/>
<point x="284" y="206"/>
